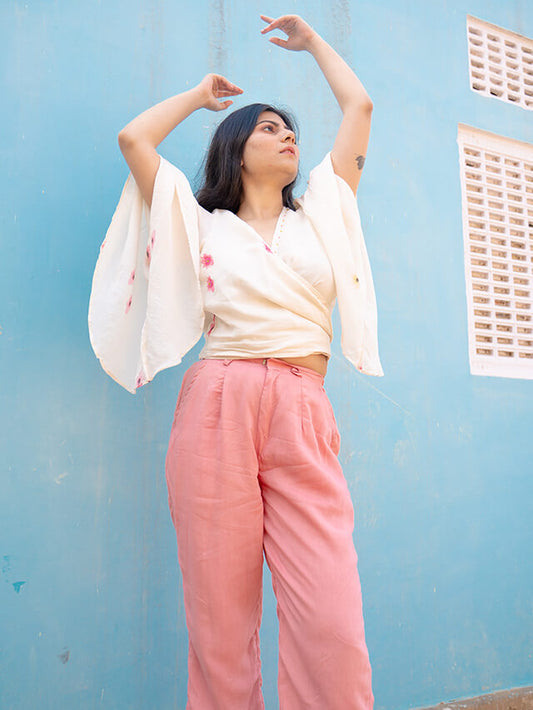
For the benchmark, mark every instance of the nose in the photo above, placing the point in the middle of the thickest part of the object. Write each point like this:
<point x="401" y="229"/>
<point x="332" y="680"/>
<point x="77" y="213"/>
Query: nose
<point x="289" y="137"/>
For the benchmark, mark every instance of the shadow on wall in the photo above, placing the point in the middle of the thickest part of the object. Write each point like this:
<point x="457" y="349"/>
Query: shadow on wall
<point x="515" y="699"/>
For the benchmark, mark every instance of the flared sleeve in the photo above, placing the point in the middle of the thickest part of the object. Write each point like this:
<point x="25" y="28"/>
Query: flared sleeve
<point x="332" y="208"/>
<point x="145" y="308"/>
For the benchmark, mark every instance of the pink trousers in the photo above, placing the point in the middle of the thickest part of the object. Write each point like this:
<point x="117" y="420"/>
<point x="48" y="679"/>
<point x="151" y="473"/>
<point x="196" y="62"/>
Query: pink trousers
<point x="252" y="468"/>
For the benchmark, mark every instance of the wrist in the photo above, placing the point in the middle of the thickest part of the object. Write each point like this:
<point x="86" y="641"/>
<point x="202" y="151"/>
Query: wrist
<point x="313" y="42"/>
<point x="198" y="97"/>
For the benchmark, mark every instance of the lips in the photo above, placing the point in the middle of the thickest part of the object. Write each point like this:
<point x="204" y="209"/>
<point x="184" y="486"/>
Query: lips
<point x="288" y="150"/>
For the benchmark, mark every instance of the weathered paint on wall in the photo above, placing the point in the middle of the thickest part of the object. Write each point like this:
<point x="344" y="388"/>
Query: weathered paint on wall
<point x="438" y="461"/>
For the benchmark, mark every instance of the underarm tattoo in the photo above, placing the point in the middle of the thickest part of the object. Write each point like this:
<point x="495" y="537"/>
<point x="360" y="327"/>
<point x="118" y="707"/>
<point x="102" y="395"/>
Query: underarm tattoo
<point x="360" y="161"/>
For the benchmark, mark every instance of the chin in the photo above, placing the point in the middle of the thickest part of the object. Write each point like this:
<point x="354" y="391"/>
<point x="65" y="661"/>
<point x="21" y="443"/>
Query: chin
<point x="290" y="179"/>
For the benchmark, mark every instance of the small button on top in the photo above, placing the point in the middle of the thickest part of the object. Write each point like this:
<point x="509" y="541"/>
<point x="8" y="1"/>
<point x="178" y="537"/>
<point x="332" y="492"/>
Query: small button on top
<point x="355" y="279"/>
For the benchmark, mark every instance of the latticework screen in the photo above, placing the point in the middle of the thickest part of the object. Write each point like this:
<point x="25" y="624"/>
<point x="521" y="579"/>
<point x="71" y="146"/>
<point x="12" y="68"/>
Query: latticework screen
<point x="497" y="199"/>
<point x="500" y="63"/>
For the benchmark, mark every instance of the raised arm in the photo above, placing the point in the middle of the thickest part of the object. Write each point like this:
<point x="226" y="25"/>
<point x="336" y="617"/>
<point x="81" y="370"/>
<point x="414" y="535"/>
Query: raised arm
<point x="139" y="139"/>
<point x="349" y="150"/>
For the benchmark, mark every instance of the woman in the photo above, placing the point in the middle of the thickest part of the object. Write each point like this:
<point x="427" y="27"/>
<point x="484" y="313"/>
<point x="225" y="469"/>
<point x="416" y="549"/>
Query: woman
<point x="252" y="463"/>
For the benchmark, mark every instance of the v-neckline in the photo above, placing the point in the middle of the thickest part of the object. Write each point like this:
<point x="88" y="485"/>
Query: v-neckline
<point x="274" y="245"/>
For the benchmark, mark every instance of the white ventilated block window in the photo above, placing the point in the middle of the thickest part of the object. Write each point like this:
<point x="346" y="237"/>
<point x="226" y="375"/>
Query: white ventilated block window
<point x="500" y="62"/>
<point x="497" y="200"/>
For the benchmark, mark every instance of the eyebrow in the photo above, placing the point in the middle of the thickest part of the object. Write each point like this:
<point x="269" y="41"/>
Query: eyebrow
<point x="275" y="123"/>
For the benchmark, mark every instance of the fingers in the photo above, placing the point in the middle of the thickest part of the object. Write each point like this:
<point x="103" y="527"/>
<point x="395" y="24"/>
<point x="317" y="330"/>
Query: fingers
<point x="215" y="87"/>
<point x="280" y="42"/>
<point x="219" y="105"/>
<point x="220" y="83"/>
<point x="233" y="89"/>
<point x="279" y="22"/>
<point x="223" y="82"/>
<point x="226" y="92"/>
<point x="272" y="23"/>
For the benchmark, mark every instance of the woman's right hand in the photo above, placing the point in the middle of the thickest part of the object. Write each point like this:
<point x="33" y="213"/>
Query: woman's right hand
<point x="213" y="87"/>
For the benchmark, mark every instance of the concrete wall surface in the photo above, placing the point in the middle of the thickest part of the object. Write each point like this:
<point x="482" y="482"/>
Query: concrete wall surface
<point x="439" y="462"/>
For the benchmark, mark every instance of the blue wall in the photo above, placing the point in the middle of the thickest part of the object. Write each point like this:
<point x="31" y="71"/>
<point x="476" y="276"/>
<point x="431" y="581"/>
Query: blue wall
<point x="438" y="461"/>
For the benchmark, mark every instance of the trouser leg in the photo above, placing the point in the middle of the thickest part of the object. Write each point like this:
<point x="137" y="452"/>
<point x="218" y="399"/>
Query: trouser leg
<point x="308" y="525"/>
<point x="216" y="507"/>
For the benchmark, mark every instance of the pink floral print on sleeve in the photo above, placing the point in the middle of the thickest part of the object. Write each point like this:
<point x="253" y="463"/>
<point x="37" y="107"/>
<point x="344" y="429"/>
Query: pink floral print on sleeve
<point x="150" y="247"/>
<point x="207" y="260"/>
<point x="141" y="380"/>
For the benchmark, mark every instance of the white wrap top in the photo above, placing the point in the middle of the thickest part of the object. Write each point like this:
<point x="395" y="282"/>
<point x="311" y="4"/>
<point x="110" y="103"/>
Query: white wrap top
<point x="169" y="273"/>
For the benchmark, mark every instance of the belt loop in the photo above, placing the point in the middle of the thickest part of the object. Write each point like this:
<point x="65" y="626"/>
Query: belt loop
<point x="296" y="371"/>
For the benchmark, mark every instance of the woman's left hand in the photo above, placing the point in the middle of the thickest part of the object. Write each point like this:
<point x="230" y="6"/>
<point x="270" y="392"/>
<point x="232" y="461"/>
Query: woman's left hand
<point x="298" y="31"/>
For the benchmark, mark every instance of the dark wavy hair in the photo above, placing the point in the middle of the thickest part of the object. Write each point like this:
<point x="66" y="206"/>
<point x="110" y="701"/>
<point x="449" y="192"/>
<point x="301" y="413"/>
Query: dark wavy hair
<point x="222" y="184"/>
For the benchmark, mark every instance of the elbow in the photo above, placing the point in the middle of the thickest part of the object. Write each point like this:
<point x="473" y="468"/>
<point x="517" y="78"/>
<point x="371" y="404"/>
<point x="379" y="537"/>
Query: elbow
<point x="129" y="142"/>
<point x="367" y="104"/>
<point x="124" y="140"/>
<point x="359" y="105"/>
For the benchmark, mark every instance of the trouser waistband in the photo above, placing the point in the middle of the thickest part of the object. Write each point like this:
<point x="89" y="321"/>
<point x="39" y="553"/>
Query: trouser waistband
<point x="274" y="363"/>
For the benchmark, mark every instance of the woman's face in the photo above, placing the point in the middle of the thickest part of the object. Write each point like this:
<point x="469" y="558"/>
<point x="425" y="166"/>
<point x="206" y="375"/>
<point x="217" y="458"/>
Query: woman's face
<point x="271" y="150"/>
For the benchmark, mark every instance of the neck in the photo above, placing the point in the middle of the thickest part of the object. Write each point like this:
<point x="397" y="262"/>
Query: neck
<point x="260" y="202"/>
